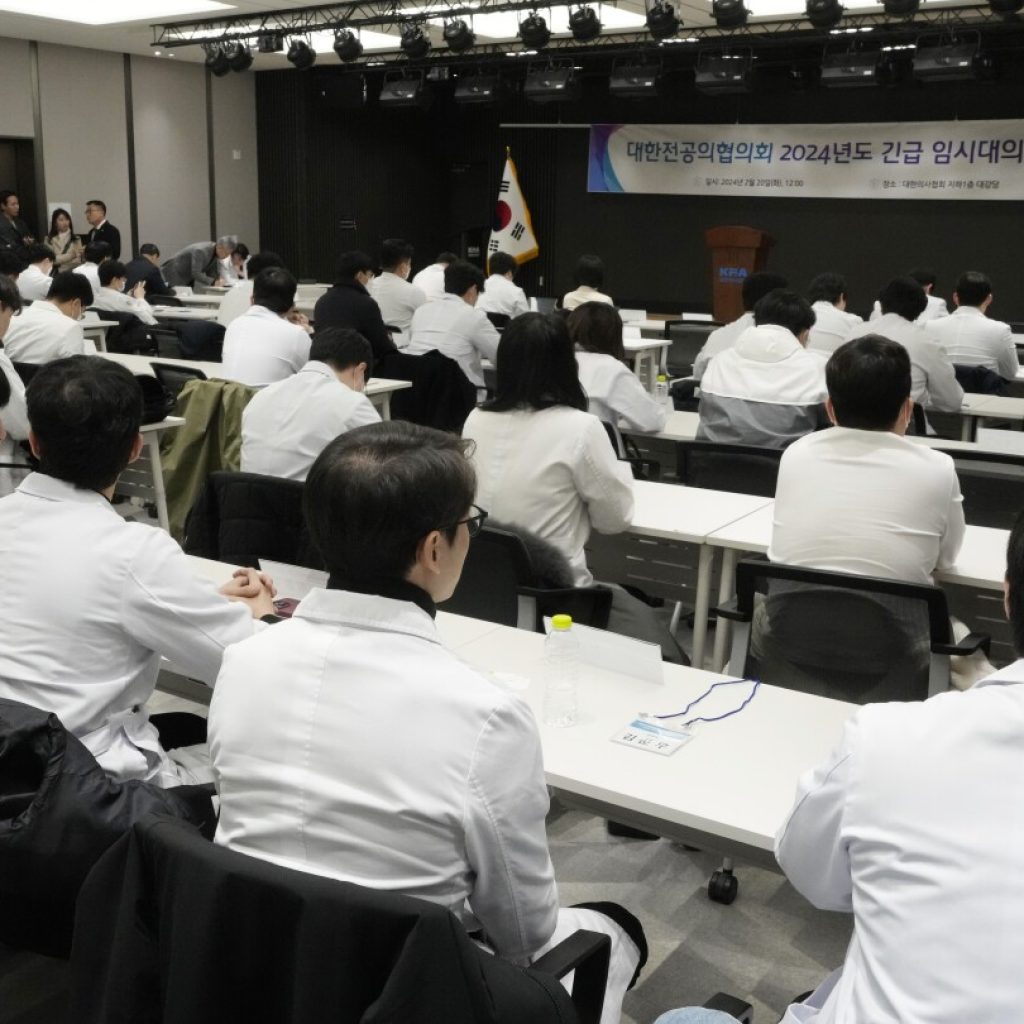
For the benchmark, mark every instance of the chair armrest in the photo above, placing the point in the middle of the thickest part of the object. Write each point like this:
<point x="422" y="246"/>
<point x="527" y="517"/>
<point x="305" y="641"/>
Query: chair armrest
<point x="725" y="1003"/>
<point x="970" y="643"/>
<point x="586" y="953"/>
<point x="730" y="610"/>
<point x="644" y="469"/>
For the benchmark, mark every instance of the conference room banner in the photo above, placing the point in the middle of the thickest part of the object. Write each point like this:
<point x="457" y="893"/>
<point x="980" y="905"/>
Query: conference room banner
<point x="923" y="160"/>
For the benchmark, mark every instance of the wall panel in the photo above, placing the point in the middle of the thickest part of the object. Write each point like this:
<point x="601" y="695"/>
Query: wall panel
<point x="236" y="181"/>
<point x="16" y="109"/>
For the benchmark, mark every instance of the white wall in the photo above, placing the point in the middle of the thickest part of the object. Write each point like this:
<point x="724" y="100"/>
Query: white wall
<point x="237" y="179"/>
<point x="15" y="88"/>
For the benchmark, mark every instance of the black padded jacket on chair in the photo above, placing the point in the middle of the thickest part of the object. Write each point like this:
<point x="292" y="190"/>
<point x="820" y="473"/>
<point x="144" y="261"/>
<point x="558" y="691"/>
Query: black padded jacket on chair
<point x="441" y="396"/>
<point x="173" y="929"/>
<point x="59" y="811"/>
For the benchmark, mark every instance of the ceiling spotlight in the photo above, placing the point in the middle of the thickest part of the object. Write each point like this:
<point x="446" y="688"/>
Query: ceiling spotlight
<point x="584" y="24"/>
<point x="901" y="8"/>
<point x="662" y="22"/>
<point x="239" y="56"/>
<point x="729" y="13"/>
<point x="634" y="82"/>
<point x="824" y="13"/>
<point x="270" y="42"/>
<point x="301" y="54"/>
<point x="217" y="60"/>
<point x="480" y="89"/>
<point x="718" y="74"/>
<point x="458" y="36"/>
<point x="405" y="92"/>
<point x="551" y="85"/>
<point x="1006" y="8"/>
<point x="347" y="45"/>
<point x="534" y="32"/>
<point x="850" y="70"/>
<point x="946" y="63"/>
<point x="415" y="42"/>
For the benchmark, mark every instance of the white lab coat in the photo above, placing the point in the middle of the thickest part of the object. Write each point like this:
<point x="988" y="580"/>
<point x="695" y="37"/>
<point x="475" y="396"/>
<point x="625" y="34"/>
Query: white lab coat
<point x="935" y="310"/>
<point x="92" y="602"/>
<point x="117" y="302"/>
<point x="235" y="302"/>
<point x="397" y="298"/>
<point x="914" y="824"/>
<point x="288" y="424"/>
<point x="500" y="295"/>
<point x="832" y="326"/>
<point x="719" y="340"/>
<point x="33" y="284"/>
<point x="969" y="337"/>
<point x="617" y="396"/>
<point x="261" y="347"/>
<point x="43" y="333"/>
<point x="552" y="472"/>
<point x="14" y="417"/>
<point x="91" y="272"/>
<point x="430" y="281"/>
<point x="570" y="300"/>
<point x="456" y="330"/>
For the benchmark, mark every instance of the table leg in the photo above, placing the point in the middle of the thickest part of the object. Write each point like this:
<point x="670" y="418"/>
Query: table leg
<point x="156" y="468"/>
<point x="700" y="607"/>
<point x="967" y="427"/>
<point x="726" y="589"/>
<point x="385" y="407"/>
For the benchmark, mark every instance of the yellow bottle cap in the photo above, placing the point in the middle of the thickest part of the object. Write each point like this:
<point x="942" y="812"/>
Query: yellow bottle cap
<point x="561" y="621"/>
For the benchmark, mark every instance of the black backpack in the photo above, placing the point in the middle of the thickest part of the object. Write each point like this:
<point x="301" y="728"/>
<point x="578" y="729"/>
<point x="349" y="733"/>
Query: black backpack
<point x="157" y="402"/>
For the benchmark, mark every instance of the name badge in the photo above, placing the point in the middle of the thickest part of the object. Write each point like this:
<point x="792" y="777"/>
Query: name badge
<point x="656" y="739"/>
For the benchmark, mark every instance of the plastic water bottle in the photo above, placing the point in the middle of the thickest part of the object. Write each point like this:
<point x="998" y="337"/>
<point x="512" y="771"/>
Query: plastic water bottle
<point x="661" y="393"/>
<point x="561" y="673"/>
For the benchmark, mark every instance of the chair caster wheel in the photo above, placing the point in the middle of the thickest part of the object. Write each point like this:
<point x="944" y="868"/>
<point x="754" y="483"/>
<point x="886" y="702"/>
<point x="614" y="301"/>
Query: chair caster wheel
<point x="723" y="887"/>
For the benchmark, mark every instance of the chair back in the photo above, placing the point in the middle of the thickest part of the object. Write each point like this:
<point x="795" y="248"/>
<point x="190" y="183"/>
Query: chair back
<point x="746" y="469"/>
<point x="130" y="335"/>
<point x="26" y="371"/>
<point x="500" y="320"/>
<point x="174" y="376"/>
<point x="992" y="484"/>
<point x="440" y="395"/>
<point x="168" y="342"/>
<point x="687" y="340"/>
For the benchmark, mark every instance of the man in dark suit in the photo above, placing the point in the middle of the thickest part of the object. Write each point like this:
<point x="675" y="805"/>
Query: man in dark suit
<point x="101" y="229"/>
<point x="14" y="232"/>
<point x="146" y="268"/>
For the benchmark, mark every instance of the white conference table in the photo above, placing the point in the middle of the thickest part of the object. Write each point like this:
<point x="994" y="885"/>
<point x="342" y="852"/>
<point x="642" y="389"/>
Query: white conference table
<point x="201" y="301"/>
<point x="206" y="313"/>
<point x="97" y="331"/>
<point x="647" y="356"/>
<point x="729" y="789"/>
<point x="146" y="479"/>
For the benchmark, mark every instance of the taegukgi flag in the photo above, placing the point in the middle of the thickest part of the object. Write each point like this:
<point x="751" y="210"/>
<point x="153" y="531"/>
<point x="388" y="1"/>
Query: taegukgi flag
<point x="512" y="231"/>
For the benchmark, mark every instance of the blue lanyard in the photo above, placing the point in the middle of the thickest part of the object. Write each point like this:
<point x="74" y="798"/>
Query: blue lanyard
<point x="707" y="693"/>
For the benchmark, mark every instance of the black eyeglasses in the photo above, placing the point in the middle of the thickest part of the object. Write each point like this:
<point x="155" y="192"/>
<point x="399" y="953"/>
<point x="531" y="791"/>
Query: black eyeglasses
<point x="475" y="522"/>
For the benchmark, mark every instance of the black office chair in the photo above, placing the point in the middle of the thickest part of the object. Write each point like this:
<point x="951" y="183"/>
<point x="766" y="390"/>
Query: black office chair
<point x="746" y="469"/>
<point x="130" y="335"/>
<point x="172" y="927"/>
<point x="26" y="371"/>
<point x="626" y="451"/>
<point x="167" y="341"/>
<point x="992" y="484"/>
<point x="174" y="376"/>
<point x="500" y="320"/>
<point x="687" y="341"/>
<point x="441" y="396"/>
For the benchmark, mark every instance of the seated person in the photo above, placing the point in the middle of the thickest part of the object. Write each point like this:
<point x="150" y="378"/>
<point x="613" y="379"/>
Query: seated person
<point x="767" y="390"/>
<point x="95" y="254"/>
<point x="111" y="296"/>
<point x="12" y="263"/>
<point x="969" y="337"/>
<point x="50" y="329"/>
<point x="501" y="293"/>
<point x="234" y="267"/>
<point x="239" y="298"/>
<point x="14" y="422"/>
<point x="589" y="276"/>
<point x="934" y="385"/>
<point x="94" y="601"/>
<point x="755" y="288"/>
<point x="34" y="281"/>
<point x="288" y="424"/>
<point x="454" y="326"/>
<point x="935" y="307"/>
<point x="347" y="303"/>
<point x="545" y="465"/>
<point x="304" y="780"/>
<point x="430" y="280"/>
<point x="145" y="269"/>
<point x="397" y="298"/>
<point x="270" y="341"/>
<point x="614" y="392"/>
<point x="827" y="296"/>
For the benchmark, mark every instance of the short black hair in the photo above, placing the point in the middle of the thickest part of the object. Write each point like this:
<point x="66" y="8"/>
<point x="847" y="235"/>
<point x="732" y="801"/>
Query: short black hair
<point x="536" y="366"/>
<point x="757" y="286"/>
<point x="97" y="202"/>
<point x="12" y="263"/>
<point x="97" y="252"/>
<point x="868" y="381"/>
<point x="502" y="263"/>
<point x="352" y="263"/>
<point x="68" y="286"/>
<point x="924" y="276"/>
<point x="460" y="276"/>
<point x="446" y="257"/>
<point x="394" y="251"/>
<point x="85" y="413"/>
<point x="375" y="492"/>
<point x="10" y="297"/>
<point x="589" y="271"/>
<point x="827" y="287"/>
<point x="274" y="289"/>
<point x="5" y="195"/>
<point x="903" y="296"/>
<point x="110" y="269"/>
<point x="263" y="261"/>
<point x="148" y="249"/>
<point x="972" y="288"/>
<point x="341" y="347"/>
<point x="1015" y="583"/>
<point x="5" y="389"/>
<point x="785" y="309"/>
<point x="597" y="327"/>
<point x="37" y="252"/>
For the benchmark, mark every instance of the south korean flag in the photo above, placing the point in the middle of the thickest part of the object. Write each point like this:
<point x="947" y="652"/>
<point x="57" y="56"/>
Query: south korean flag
<point x="512" y="231"/>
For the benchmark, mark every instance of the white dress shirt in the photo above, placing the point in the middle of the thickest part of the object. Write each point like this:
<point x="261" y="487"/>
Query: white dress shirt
<point x="935" y="310"/>
<point x="430" y="281"/>
<point x="500" y="295"/>
<point x="42" y="333"/>
<point x="584" y="294"/>
<point x="456" y="330"/>
<point x="719" y="340"/>
<point x="350" y="743"/>
<point x="117" y="302"/>
<point x="33" y="284"/>
<point x="397" y="298"/>
<point x="617" y="396"/>
<point x="288" y="424"/>
<point x="933" y="383"/>
<point x="867" y="502"/>
<point x="91" y="272"/>
<point x="832" y="326"/>
<point x="261" y="347"/>
<point x="235" y="303"/>
<point x="92" y="603"/>
<point x="970" y="338"/>
<point x="14" y="417"/>
<point x="914" y="826"/>
<point x="554" y="473"/>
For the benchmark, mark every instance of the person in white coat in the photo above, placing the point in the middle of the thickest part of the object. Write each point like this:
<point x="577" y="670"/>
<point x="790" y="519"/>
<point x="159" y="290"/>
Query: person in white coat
<point x="50" y="329"/>
<point x="94" y="601"/>
<point x="391" y="289"/>
<point x="95" y="254"/>
<point x="34" y="281"/>
<point x="935" y="307"/>
<point x="288" y="424"/>
<point x="614" y="393"/>
<point x="969" y="337"/>
<point x="430" y="280"/>
<point x="501" y="294"/>
<point x="827" y="294"/>
<point x="14" y="414"/>
<point x="111" y="296"/>
<point x="386" y="760"/>
<point x="589" y="277"/>
<point x="238" y="298"/>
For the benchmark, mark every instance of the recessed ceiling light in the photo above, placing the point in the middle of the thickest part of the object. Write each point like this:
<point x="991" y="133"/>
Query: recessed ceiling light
<point x="110" y="12"/>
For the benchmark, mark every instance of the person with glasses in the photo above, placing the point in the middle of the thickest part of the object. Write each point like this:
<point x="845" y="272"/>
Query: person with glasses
<point x="352" y="744"/>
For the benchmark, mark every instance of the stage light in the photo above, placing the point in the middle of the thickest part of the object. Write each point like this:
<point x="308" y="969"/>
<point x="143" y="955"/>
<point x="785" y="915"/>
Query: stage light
<point x="722" y="73"/>
<point x="480" y="89"/>
<point x="951" y="63"/>
<point x="534" y="32"/>
<point x="301" y="55"/>
<point x="824" y="13"/>
<point x="347" y="45"/>
<point x="729" y="13"/>
<point x="406" y="92"/>
<point x="850" y="70"/>
<point x="901" y="8"/>
<point x="270" y="42"/>
<point x="458" y="36"/>
<point x="415" y="42"/>
<point x="662" y="21"/>
<point x="584" y="24"/>
<point x="217" y="60"/>
<point x="1006" y="8"/>
<point x="551" y="85"/>
<point x="239" y="56"/>
<point x="636" y="82"/>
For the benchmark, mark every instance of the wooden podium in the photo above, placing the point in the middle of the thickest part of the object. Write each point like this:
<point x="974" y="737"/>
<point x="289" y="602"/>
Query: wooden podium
<point x="736" y="253"/>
